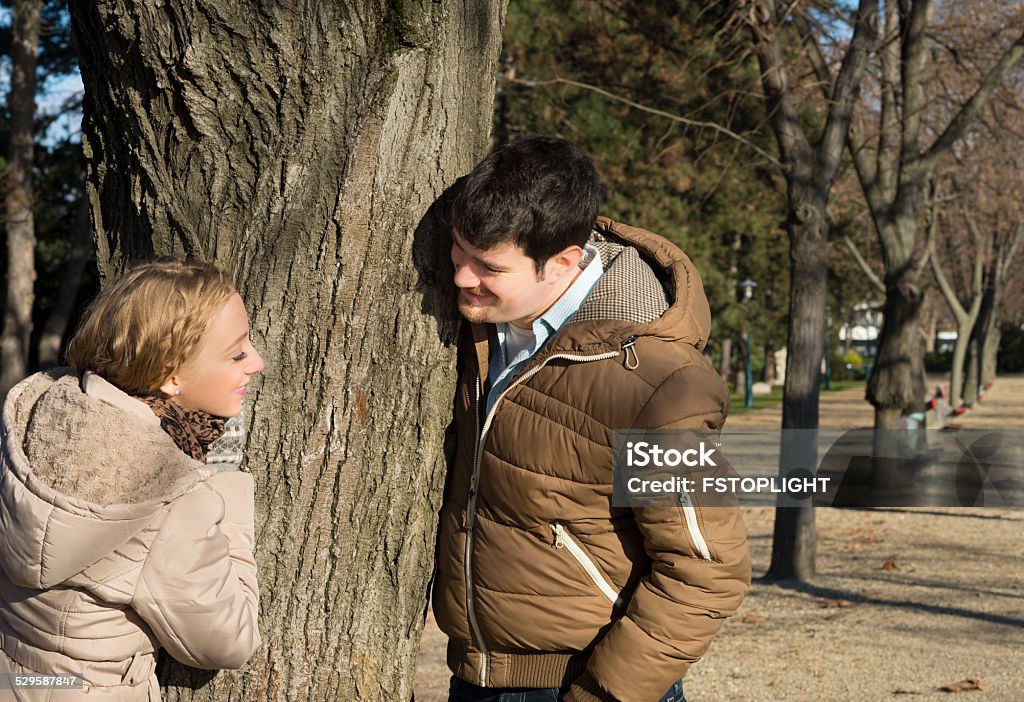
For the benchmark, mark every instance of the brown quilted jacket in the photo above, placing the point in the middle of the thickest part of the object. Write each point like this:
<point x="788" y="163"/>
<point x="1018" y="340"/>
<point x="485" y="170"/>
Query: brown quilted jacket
<point x="541" y="582"/>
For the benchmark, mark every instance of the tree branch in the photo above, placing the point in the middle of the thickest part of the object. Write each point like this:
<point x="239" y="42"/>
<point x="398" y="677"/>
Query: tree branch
<point x="764" y="24"/>
<point x="847" y="87"/>
<point x="947" y="290"/>
<point x="651" y="110"/>
<point x="911" y="74"/>
<point x="887" y="157"/>
<point x="959" y="124"/>
<point x="874" y="279"/>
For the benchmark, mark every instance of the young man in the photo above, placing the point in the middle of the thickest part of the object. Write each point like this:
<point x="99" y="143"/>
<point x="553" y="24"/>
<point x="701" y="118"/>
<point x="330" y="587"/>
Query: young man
<point x="578" y="326"/>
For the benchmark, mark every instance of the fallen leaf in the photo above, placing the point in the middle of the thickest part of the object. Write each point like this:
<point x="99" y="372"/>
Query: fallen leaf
<point x="891" y="563"/>
<point x="964" y="686"/>
<point x="833" y="604"/>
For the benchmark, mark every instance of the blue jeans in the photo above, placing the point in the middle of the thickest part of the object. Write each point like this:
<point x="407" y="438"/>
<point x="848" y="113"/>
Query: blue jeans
<point x="462" y="691"/>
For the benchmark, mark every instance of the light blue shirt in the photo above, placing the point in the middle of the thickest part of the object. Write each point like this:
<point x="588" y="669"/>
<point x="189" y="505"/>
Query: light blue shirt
<point x="502" y="370"/>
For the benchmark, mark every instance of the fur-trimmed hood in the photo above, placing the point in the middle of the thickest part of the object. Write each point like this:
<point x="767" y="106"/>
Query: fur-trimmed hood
<point x="83" y="468"/>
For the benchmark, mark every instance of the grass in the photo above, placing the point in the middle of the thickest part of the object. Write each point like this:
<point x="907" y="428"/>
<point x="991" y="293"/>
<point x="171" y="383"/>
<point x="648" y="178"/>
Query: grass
<point x="736" y="396"/>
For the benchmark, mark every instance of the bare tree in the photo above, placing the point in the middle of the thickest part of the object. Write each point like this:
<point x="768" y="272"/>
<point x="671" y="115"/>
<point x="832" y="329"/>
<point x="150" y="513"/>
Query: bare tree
<point x="965" y="312"/>
<point x="301" y="147"/>
<point x="894" y="165"/>
<point x="18" y="199"/>
<point x="810" y="163"/>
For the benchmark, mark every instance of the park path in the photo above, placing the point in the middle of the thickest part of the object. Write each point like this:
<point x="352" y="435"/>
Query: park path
<point x="1002" y="407"/>
<point x="897" y="596"/>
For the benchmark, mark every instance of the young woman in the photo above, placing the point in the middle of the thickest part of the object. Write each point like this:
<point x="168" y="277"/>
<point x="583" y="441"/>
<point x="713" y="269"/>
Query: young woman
<point x="117" y="537"/>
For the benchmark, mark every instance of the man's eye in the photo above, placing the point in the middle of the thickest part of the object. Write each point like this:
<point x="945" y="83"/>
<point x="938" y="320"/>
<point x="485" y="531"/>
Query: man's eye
<point x="239" y="357"/>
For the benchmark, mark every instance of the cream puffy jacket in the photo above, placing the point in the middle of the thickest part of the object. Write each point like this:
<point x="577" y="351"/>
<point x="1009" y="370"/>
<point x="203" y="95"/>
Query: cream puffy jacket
<point x="114" y="543"/>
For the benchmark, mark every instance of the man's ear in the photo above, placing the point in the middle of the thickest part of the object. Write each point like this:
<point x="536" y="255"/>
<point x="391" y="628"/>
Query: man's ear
<point x="565" y="262"/>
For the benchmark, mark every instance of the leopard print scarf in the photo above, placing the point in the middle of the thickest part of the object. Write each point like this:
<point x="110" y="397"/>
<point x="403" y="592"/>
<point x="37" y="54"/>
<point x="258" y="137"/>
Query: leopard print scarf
<point x="192" y="430"/>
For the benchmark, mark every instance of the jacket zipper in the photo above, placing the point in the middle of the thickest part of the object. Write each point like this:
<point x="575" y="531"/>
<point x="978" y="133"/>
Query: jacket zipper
<point x="564" y="540"/>
<point x="474" y="485"/>
<point x="691" y="523"/>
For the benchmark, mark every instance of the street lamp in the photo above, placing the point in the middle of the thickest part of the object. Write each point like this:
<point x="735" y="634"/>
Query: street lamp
<point x="748" y="286"/>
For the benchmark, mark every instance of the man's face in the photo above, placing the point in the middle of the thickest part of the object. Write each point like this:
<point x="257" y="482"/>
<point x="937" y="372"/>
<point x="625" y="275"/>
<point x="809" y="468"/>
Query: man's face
<point x="501" y="284"/>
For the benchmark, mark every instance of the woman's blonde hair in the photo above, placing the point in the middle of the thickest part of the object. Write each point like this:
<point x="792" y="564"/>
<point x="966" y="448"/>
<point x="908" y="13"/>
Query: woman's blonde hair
<point x="145" y="325"/>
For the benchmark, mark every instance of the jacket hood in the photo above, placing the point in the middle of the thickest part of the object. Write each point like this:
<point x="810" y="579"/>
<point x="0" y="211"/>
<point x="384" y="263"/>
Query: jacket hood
<point x="649" y="288"/>
<point x="84" y="467"/>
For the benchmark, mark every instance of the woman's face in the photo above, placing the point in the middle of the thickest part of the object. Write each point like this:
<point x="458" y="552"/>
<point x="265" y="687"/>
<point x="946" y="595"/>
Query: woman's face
<point x="214" y="379"/>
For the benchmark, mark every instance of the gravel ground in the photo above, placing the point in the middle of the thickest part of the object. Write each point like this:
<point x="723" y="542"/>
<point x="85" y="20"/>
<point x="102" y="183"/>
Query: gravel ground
<point x="905" y="601"/>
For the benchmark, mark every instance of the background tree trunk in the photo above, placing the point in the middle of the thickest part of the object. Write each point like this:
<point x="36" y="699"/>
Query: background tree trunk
<point x="81" y="252"/>
<point x="971" y="377"/>
<point x="299" y="146"/>
<point x="19" y="200"/>
<point x="795" y="535"/>
<point x="725" y="362"/>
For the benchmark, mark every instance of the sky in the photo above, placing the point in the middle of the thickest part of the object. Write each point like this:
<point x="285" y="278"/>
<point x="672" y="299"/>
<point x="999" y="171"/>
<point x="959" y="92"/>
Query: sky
<point x="49" y="101"/>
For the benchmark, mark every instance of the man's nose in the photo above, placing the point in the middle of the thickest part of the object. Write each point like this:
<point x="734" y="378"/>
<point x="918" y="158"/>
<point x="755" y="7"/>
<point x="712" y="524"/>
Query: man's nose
<point x="464" y="277"/>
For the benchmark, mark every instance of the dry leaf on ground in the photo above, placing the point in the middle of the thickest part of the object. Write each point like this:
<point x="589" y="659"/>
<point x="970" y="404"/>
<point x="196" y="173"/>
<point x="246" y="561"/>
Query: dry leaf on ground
<point x="964" y="686"/>
<point x="833" y="604"/>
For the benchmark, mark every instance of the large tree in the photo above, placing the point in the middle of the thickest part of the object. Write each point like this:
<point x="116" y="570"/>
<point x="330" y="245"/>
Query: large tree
<point x="301" y="147"/>
<point x="811" y="125"/>
<point x="897" y="148"/>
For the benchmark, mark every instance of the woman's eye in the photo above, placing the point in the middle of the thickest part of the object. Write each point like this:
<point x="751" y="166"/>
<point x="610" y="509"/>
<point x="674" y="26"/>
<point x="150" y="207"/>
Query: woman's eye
<point x="239" y="357"/>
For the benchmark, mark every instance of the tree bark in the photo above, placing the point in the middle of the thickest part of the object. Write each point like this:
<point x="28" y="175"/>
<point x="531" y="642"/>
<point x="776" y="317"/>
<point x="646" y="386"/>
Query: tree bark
<point x="79" y="255"/>
<point x="19" y="198"/>
<point x="892" y="385"/>
<point x="971" y="385"/>
<point x="795" y="534"/>
<point x="768" y="375"/>
<point x="725" y="362"/>
<point x="990" y="354"/>
<point x="304" y="147"/>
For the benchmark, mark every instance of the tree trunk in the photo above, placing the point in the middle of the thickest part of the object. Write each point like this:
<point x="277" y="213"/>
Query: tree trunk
<point x="932" y="326"/>
<point x="971" y="386"/>
<point x="894" y="377"/>
<point x="80" y="253"/>
<point x="769" y="363"/>
<point x="956" y="373"/>
<point x="300" y="146"/>
<point x="990" y="354"/>
<point x="795" y="537"/>
<point x="897" y="378"/>
<point x="986" y="330"/>
<point x="725" y="363"/>
<point x="19" y="200"/>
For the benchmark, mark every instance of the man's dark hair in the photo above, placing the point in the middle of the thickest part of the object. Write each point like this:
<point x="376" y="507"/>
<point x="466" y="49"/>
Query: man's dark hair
<point x="540" y="193"/>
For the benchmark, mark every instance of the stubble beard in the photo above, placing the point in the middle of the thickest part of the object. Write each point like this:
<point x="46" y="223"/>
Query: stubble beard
<point x="474" y="314"/>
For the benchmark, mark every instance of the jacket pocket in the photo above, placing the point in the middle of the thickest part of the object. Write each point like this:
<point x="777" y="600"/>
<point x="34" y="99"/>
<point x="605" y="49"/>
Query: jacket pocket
<point x="563" y="539"/>
<point x="693" y="526"/>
